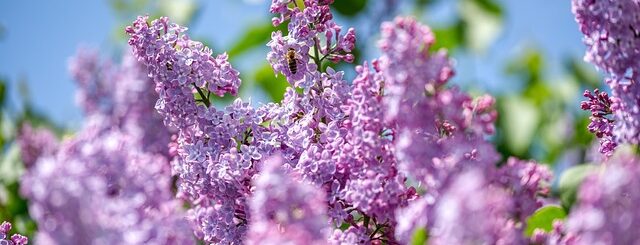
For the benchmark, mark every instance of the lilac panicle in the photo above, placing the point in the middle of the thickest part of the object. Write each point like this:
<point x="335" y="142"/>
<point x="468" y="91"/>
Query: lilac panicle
<point x="285" y="210"/>
<point x="110" y="182"/>
<point x="611" y="31"/>
<point x="16" y="239"/>
<point x="35" y="142"/>
<point x="121" y="95"/>
<point x="446" y="129"/>
<point x="180" y="65"/>
<point x="99" y="187"/>
<point x="606" y="209"/>
<point x="472" y="212"/>
<point x="307" y="26"/>
<point x="601" y="120"/>
<point x="527" y="182"/>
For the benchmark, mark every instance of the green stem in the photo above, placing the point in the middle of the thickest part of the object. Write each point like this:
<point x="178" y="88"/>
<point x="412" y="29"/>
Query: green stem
<point x="205" y="99"/>
<point x="317" y="54"/>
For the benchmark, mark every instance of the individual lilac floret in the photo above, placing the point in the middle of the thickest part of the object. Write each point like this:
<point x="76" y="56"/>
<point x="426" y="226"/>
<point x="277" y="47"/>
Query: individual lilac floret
<point x="601" y="120"/>
<point x="527" y="182"/>
<point x="606" y="210"/>
<point x="472" y="212"/>
<point x="285" y="210"/>
<point x="16" y="239"/>
<point x="557" y="236"/>
<point x="35" y="142"/>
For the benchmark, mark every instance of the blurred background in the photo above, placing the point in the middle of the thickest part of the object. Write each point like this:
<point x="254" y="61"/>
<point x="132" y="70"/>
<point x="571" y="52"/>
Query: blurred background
<point x="527" y="53"/>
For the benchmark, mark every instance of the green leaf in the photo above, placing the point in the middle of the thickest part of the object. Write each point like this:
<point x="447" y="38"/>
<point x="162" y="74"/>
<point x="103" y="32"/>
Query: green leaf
<point x="255" y="35"/>
<point x="349" y="7"/>
<point x="483" y="23"/>
<point x="570" y="181"/>
<point x="274" y="86"/>
<point x="449" y="37"/>
<point x="420" y="237"/>
<point x="543" y="218"/>
<point x="519" y="119"/>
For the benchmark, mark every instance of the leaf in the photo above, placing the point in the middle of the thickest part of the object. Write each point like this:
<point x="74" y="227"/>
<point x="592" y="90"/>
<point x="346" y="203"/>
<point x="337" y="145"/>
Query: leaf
<point x="543" y="218"/>
<point x="570" y="181"/>
<point x="483" y="20"/>
<point x="420" y="237"/>
<point x="349" y="7"/>
<point x="449" y="37"/>
<point x="274" y="86"/>
<point x="519" y="119"/>
<point x="255" y="35"/>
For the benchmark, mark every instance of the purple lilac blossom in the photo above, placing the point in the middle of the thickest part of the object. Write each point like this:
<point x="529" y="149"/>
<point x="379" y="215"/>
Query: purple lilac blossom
<point x="35" y="142"/>
<point x="285" y="209"/>
<point x="123" y="95"/>
<point x="606" y="210"/>
<point x="446" y="129"/>
<point x="16" y="239"/>
<point x="527" y="182"/>
<point x="601" y="123"/>
<point x="100" y="188"/>
<point x="217" y="149"/>
<point x="111" y="182"/>
<point x="472" y="212"/>
<point x="611" y="31"/>
<point x="307" y="26"/>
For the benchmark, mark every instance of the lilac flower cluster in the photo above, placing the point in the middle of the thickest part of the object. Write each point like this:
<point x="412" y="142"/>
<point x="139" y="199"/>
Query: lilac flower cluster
<point x="606" y="211"/>
<point x="286" y="211"/>
<point x="612" y="36"/>
<point x="601" y="123"/>
<point x="35" y="142"/>
<point x="361" y="144"/>
<point x="16" y="239"/>
<point x="111" y="182"/>
<point x="308" y="25"/>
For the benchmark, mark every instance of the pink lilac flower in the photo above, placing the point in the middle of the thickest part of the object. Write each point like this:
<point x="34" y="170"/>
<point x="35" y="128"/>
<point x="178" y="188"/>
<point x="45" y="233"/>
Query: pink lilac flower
<point x="35" y="142"/>
<point x="612" y="34"/>
<point x="286" y="210"/>
<point x="99" y="187"/>
<point x="16" y="239"/>
<point x="472" y="212"/>
<point x="527" y="182"/>
<point x="446" y="129"/>
<point x="606" y="208"/>
<point x="601" y="120"/>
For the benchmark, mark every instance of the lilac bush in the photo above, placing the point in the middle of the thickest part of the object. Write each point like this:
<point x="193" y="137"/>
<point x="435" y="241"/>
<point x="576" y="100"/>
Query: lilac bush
<point x="392" y="155"/>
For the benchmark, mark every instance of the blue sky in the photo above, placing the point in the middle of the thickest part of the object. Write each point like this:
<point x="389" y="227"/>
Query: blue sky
<point x="40" y="37"/>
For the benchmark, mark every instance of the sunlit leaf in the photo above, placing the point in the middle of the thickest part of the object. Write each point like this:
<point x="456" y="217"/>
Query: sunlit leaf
<point x="274" y="86"/>
<point x="349" y="7"/>
<point x="543" y="218"/>
<point x="520" y="119"/>
<point x="254" y="36"/>
<point x="570" y="181"/>
<point x="483" y="24"/>
<point x="420" y="237"/>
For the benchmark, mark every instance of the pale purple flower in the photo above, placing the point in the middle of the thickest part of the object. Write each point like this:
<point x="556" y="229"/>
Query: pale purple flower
<point x="611" y="31"/>
<point x="527" y="182"/>
<point x="16" y="239"/>
<point x="286" y="210"/>
<point x="35" y="142"/>
<point x="601" y="120"/>
<point x="606" y="209"/>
